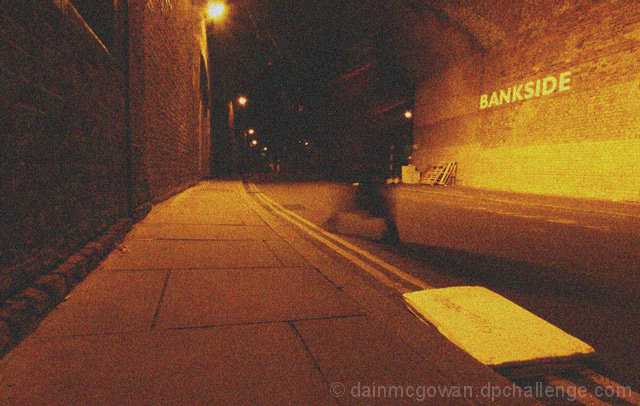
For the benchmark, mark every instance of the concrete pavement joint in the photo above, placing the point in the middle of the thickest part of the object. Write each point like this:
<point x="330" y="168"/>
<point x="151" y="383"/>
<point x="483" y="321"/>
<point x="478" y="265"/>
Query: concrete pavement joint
<point x="160" y="300"/>
<point x="313" y="360"/>
<point x="250" y="323"/>
<point x="273" y="252"/>
<point x="207" y="268"/>
<point x="132" y="270"/>
<point x="49" y="336"/>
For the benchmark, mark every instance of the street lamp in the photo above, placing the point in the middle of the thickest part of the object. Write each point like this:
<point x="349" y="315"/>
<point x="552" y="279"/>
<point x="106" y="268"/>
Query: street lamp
<point x="215" y="10"/>
<point x="242" y="102"/>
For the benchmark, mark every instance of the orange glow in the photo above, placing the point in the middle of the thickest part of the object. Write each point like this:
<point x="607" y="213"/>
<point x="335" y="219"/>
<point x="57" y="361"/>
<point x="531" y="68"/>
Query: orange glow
<point x="242" y="100"/>
<point x="254" y="142"/>
<point x="408" y="114"/>
<point x="215" y="10"/>
<point x="251" y="131"/>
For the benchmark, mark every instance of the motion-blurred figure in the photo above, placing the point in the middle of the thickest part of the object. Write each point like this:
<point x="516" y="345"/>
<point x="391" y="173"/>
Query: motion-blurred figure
<point x="372" y="197"/>
<point x="370" y="200"/>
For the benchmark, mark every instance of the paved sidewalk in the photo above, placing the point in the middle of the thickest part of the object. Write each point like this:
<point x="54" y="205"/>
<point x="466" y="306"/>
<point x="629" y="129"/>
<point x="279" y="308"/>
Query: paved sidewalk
<point x="212" y="300"/>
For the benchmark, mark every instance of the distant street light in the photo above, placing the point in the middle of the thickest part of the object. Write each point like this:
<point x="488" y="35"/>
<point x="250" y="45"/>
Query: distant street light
<point x="241" y="102"/>
<point x="215" y="10"/>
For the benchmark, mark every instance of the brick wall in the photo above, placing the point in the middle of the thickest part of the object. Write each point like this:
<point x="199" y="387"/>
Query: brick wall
<point x="583" y="142"/>
<point x="62" y="139"/>
<point x="170" y="124"/>
<point x="64" y="144"/>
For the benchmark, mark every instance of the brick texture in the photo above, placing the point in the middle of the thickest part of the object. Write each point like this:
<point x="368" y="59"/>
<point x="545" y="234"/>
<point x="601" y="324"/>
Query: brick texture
<point x="63" y="125"/>
<point x="170" y="134"/>
<point x="583" y="142"/>
<point x="62" y="130"/>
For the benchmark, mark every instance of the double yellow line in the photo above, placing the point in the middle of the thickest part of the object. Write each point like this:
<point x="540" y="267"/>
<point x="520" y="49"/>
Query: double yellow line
<point x="371" y="264"/>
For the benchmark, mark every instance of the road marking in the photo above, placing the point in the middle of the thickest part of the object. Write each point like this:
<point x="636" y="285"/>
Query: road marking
<point x="573" y="390"/>
<point x="567" y="207"/>
<point x="560" y="221"/>
<point x="369" y="269"/>
<point x="319" y="234"/>
<point x="394" y="270"/>
<point x="620" y="391"/>
<point x="325" y="237"/>
<point x="604" y="229"/>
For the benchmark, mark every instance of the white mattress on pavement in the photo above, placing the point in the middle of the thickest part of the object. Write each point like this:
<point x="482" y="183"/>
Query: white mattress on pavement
<point x="491" y="328"/>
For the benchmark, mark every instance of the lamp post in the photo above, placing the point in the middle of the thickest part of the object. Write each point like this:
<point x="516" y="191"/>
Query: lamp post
<point x="242" y="102"/>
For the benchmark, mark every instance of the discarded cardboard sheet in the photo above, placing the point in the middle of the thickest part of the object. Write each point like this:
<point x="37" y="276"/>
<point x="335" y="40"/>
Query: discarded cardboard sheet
<point x="492" y="329"/>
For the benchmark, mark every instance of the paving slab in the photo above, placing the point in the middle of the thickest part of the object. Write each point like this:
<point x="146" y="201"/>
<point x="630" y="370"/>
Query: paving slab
<point x="365" y="363"/>
<point x="107" y="302"/>
<point x="194" y="218"/>
<point x="240" y="365"/>
<point x="197" y="207"/>
<point x="251" y="219"/>
<point x="201" y="313"/>
<point x="178" y="231"/>
<point x="287" y="255"/>
<point x="180" y="254"/>
<point x="235" y="296"/>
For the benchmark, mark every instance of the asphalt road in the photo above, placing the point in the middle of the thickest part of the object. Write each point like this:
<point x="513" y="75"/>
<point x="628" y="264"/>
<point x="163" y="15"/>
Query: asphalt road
<point x="575" y="264"/>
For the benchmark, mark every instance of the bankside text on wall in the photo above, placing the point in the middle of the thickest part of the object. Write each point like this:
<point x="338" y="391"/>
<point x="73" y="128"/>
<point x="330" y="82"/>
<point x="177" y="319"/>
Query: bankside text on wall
<point x="540" y="87"/>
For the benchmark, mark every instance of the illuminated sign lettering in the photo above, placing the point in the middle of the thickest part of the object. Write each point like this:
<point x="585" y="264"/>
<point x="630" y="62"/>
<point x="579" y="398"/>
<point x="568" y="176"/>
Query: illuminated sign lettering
<point x="540" y="87"/>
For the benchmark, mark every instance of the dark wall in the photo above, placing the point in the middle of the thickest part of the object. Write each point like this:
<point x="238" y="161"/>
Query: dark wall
<point x="76" y="153"/>
<point x="170" y="127"/>
<point x="62" y="151"/>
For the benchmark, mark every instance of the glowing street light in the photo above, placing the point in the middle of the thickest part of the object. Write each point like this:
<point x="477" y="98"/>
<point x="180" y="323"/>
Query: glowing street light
<point x="215" y="10"/>
<point x="242" y="100"/>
